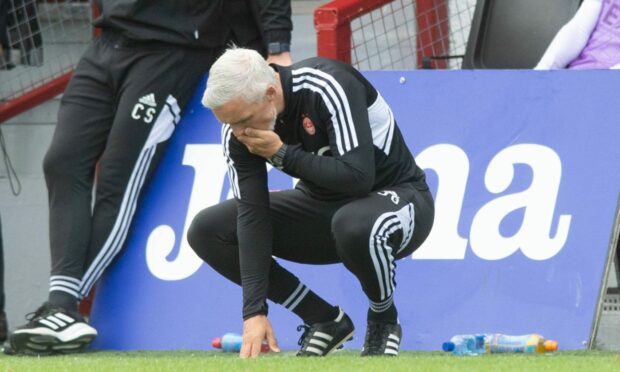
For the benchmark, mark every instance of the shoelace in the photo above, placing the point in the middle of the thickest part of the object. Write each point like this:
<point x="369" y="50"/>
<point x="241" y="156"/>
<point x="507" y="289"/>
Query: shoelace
<point x="305" y="333"/>
<point x="40" y="311"/>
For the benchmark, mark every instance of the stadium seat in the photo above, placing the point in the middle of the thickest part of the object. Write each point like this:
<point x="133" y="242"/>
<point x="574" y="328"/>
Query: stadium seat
<point x="514" y="33"/>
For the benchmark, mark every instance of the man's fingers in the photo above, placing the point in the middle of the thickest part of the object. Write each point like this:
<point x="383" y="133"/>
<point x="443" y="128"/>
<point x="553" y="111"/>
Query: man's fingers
<point x="250" y="141"/>
<point x="254" y="144"/>
<point x="250" y="349"/>
<point x="256" y="345"/>
<point x="271" y="340"/>
<point x="245" y="349"/>
<point x="255" y="133"/>
<point x="273" y="343"/>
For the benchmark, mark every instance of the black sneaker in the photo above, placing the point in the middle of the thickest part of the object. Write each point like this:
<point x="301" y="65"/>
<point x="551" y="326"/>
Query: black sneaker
<point x="3" y="326"/>
<point x="52" y="330"/>
<point x="321" y="339"/>
<point x="382" y="339"/>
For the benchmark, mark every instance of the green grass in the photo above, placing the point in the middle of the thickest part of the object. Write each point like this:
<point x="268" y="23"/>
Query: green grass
<point x="286" y="361"/>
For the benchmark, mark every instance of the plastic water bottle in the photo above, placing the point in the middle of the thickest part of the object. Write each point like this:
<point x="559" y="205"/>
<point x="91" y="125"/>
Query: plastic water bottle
<point x="465" y="345"/>
<point x="231" y="342"/>
<point x="532" y="343"/>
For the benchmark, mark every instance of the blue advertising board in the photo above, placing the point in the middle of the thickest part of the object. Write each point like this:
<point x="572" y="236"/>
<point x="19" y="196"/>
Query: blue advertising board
<point x="523" y="167"/>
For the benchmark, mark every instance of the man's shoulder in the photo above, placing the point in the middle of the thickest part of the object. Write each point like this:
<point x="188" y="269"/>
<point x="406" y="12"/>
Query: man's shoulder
<point x="321" y="64"/>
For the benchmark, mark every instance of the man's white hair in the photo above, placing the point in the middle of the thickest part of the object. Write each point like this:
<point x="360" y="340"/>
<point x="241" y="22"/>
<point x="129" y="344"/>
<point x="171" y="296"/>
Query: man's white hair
<point x="239" y="72"/>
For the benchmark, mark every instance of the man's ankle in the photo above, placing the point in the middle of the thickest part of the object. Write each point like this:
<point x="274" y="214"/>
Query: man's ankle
<point x="64" y="300"/>
<point x="390" y="315"/>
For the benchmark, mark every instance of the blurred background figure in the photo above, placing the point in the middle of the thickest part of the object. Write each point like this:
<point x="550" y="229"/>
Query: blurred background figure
<point x="590" y="40"/>
<point x="3" y="324"/>
<point x="4" y="37"/>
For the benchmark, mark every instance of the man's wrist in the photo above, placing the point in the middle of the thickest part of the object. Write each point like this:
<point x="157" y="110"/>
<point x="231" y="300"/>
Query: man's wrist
<point x="278" y="47"/>
<point x="277" y="159"/>
<point x="262" y="310"/>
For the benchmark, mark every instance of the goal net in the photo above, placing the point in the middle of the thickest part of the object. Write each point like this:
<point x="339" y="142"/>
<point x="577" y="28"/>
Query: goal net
<point x="395" y="34"/>
<point x="43" y="42"/>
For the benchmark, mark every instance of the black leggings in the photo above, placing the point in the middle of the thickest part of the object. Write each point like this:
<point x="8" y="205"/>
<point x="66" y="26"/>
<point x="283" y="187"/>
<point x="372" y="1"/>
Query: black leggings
<point x="367" y="235"/>
<point x="121" y="105"/>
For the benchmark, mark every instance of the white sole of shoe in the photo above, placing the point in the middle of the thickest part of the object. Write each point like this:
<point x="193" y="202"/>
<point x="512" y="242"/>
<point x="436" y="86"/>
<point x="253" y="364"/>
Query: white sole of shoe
<point x="72" y="333"/>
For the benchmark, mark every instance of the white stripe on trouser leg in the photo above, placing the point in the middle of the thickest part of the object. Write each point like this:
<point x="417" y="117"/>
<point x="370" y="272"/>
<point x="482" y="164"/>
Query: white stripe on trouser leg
<point x="165" y="123"/>
<point x="65" y="284"/>
<point x="381" y="252"/>
<point x="161" y="131"/>
<point x="114" y="242"/>
<point x="66" y="290"/>
<point x="384" y="251"/>
<point x="407" y="218"/>
<point x="65" y="278"/>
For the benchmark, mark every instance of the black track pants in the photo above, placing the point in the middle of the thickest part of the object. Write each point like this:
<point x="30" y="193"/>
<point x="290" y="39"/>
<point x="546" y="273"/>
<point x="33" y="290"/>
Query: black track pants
<point x="119" y="110"/>
<point x="367" y="235"/>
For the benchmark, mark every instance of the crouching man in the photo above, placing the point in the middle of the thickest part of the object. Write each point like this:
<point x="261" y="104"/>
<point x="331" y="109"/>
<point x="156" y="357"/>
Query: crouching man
<point x="361" y="200"/>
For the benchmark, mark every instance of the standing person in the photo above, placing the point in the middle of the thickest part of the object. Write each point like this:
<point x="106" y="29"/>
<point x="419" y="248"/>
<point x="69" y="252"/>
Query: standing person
<point x="590" y="40"/>
<point x="122" y="105"/>
<point x="361" y="199"/>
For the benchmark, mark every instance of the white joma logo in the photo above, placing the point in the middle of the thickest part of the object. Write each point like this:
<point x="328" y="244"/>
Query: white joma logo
<point x="451" y="164"/>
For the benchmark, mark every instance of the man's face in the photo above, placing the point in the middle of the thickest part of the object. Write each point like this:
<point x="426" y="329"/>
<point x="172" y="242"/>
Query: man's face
<point x="240" y="114"/>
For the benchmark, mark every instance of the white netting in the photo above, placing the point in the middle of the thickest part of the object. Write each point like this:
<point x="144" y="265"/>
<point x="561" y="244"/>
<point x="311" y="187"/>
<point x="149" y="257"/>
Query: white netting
<point x="392" y="36"/>
<point x="46" y="39"/>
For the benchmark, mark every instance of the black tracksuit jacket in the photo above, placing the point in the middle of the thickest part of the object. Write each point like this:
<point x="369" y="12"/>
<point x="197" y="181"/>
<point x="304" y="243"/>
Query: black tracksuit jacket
<point x="197" y="23"/>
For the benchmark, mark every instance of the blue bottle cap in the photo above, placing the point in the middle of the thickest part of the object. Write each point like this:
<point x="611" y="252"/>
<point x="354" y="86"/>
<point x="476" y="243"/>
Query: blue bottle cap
<point x="448" y="346"/>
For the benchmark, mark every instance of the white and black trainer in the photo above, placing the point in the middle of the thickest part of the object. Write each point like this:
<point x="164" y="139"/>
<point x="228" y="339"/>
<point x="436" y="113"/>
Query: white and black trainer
<point x="321" y="339"/>
<point x="382" y="339"/>
<point x="52" y="330"/>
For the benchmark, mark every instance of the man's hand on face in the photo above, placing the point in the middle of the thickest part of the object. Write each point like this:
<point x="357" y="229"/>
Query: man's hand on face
<point x="264" y="143"/>
<point x="255" y="330"/>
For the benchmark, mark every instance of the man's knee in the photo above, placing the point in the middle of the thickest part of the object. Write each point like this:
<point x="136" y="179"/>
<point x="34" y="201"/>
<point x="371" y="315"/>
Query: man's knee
<point x="209" y="230"/>
<point x="349" y="231"/>
<point x="58" y="162"/>
<point x="201" y="230"/>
